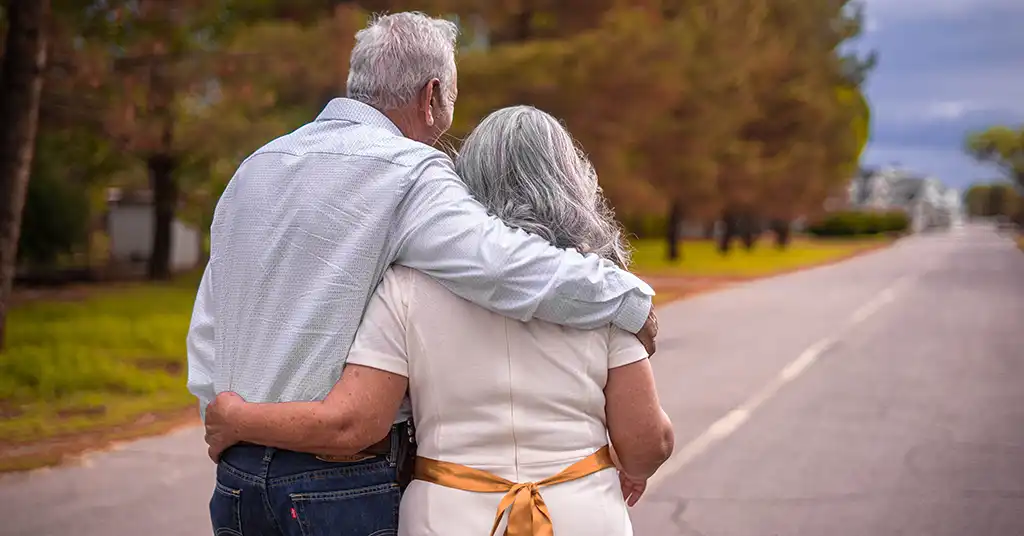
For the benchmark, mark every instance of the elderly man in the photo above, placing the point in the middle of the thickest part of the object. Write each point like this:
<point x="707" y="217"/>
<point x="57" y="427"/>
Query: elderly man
<point x="302" y="236"/>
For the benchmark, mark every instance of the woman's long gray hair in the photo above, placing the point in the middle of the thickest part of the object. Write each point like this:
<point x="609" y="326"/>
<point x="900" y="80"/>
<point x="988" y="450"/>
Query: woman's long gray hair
<point x="523" y="165"/>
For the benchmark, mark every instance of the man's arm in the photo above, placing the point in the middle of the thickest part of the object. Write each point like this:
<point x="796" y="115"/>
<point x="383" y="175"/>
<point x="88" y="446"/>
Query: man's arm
<point x="200" y="344"/>
<point x="443" y="232"/>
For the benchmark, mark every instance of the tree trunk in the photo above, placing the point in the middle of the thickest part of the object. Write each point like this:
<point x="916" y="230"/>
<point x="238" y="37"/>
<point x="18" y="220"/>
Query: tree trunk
<point x="783" y="233"/>
<point x="165" y="199"/>
<point x="21" y="84"/>
<point x="728" y="232"/>
<point x="675" y="220"/>
<point x="747" y="231"/>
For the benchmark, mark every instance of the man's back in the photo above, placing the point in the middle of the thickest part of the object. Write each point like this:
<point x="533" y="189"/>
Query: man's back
<point x="299" y="241"/>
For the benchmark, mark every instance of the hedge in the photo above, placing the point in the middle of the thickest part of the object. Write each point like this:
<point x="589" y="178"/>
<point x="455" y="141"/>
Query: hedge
<point x="853" y="223"/>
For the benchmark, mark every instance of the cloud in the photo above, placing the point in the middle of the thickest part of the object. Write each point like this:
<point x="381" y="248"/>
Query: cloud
<point x="941" y="125"/>
<point x="954" y="109"/>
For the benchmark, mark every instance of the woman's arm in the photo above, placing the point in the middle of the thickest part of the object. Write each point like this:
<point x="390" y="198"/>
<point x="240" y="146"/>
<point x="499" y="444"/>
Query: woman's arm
<point x="639" y="429"/>
<point x="358" y="412"/>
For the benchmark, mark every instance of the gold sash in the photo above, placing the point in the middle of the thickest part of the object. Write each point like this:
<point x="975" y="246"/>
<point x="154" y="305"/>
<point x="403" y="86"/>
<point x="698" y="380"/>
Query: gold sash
<point x="529" y="515"/>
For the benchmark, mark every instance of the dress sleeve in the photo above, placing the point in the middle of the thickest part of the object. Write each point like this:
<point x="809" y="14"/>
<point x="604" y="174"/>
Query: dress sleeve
<point x="623" y="348"/>
<point x="380" y="342"/>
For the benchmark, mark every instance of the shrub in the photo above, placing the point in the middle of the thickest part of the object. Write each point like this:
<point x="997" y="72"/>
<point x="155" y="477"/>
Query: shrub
<point x="855" y="223"/>
<point x="895" y="222"/>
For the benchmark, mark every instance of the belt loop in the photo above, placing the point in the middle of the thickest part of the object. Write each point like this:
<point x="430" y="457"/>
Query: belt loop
<point x="268" y="455"/>
<point x="396" y="445"/>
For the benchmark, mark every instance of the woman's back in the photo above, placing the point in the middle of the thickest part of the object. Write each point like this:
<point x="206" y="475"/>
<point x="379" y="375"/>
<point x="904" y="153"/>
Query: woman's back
<point x="520" y="400"/>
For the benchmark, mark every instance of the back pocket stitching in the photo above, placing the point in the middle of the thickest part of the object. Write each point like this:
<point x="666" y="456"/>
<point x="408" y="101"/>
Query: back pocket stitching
<point x="324" y="496"/>
<point x="344" y="494"/>
<point x="235" y="495"/>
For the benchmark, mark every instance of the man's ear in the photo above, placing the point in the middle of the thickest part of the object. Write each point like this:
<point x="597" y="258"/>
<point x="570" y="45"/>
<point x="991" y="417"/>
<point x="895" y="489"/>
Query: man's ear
<point x="430" y="97"/>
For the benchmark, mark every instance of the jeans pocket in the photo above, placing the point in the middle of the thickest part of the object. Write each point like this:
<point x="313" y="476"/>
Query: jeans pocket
<point x="225" y="511"/>
<point x="369" y="511"/>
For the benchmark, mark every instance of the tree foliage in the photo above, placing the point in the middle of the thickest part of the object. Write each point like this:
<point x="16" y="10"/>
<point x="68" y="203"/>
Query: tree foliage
<point x="746" y="111"/>
<point x="1002" y="146"/>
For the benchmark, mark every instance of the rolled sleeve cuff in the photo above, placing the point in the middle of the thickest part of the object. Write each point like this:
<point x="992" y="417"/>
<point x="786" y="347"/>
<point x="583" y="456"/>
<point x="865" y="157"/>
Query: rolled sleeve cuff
<point x="633" y="313"/>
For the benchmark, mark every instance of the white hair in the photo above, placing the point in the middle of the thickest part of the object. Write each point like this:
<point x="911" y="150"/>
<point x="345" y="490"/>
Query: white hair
<point x="396" y="55"/>
<point x="523" y="165"/>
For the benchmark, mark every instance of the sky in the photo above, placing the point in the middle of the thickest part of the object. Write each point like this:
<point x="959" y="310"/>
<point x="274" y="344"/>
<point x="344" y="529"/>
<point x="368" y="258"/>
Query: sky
<point x="945" y="67"/>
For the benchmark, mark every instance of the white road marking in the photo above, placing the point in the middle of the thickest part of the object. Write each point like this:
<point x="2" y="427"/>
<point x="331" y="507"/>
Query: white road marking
<point x="732" y="421"/>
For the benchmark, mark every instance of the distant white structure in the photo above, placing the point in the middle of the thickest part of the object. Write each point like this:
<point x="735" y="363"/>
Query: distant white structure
<point x="130" y="229"/>
<point x="928" y="202"/>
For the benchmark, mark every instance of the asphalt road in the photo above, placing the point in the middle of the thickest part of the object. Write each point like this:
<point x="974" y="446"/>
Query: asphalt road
<point x="881" y="396"/>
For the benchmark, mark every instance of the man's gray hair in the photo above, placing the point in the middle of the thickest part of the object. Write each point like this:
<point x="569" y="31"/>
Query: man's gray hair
<point x="396" y="55"/>
<point x="523" y="165"/>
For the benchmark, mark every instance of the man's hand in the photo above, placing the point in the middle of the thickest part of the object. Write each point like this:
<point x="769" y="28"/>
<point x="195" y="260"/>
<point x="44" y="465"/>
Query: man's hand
<point x="649" y="332"/>
<point x="221" y="421"/>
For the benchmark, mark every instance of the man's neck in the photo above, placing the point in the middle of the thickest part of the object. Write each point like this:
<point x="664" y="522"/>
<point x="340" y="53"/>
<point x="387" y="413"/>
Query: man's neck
<point x="404" y="119"/>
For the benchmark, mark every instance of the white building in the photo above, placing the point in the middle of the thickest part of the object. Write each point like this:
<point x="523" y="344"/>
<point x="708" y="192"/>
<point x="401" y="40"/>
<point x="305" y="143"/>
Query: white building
<point x="130" y="229"/>
<point x="928" y="202"/>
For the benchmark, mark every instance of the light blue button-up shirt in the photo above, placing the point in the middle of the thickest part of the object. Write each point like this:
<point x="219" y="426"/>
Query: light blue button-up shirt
<point x="310" y="222"/>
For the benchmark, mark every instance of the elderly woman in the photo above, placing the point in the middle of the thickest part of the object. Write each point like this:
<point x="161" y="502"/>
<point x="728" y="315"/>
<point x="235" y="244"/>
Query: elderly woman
<point x="513" y="420"/>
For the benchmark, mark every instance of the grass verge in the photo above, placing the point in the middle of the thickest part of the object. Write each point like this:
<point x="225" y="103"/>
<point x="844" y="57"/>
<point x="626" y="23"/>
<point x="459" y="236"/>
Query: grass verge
<point x="702" y="259"/>
<point x="100" y="363"/>
<point x="702" y="268"/>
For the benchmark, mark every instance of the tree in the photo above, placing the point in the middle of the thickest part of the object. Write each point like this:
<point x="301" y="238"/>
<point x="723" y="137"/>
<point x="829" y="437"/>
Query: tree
<point x="143" y="66"/>
<point x="1002" y="146"/>
<point x="811" y="125"/>
<point x="21" y="84"/>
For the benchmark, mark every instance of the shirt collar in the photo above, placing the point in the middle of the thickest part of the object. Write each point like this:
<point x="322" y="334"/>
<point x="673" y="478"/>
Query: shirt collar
<point x="345" y="109"/>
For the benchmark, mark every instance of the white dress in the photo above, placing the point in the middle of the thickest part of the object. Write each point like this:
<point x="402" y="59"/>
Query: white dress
<point x="520" y="400"/>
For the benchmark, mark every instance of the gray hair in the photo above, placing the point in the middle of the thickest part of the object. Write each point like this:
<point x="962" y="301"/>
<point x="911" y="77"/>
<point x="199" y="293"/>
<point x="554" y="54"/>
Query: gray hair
<point x="396" y="55"/>
<point x="523" y="165"/>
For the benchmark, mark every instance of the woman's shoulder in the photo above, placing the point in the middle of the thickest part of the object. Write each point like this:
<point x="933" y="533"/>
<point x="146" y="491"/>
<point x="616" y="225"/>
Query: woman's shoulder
<point x="414" y="285"/>
<point x="407" y="279"/>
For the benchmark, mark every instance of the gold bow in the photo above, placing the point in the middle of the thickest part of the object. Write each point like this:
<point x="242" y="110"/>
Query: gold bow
<point x="528" y="515"/>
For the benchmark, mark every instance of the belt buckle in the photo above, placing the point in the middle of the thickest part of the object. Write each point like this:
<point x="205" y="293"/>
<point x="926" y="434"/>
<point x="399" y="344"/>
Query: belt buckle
<point x="344" y="459"/>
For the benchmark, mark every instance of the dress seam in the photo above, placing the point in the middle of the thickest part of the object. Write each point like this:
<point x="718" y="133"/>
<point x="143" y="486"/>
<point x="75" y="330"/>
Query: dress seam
<point x="511" y="399"/>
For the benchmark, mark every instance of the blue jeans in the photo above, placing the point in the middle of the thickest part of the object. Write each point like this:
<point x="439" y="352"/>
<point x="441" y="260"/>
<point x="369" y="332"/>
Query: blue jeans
<point x="262" y="491"/>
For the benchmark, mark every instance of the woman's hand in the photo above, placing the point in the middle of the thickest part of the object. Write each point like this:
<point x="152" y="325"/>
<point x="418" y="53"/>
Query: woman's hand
<point x="221" y="423"/>
<point x="631" y="489"/>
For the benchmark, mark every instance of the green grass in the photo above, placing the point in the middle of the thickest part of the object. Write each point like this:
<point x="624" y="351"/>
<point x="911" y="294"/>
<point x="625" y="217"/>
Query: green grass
<point x="701" y="258"/>
<point x="105" y="361"/>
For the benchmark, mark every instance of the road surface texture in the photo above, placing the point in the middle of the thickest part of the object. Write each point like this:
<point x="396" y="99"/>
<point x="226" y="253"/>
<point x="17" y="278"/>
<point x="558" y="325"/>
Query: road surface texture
<point x="881" y="396"/>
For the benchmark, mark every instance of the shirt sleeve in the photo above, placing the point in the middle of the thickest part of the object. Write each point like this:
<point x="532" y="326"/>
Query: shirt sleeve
<point x="443" y="232"/>
<point x="380" y="340"/>
<point x="623" y="348"/>
<point x="201" y="343"/>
